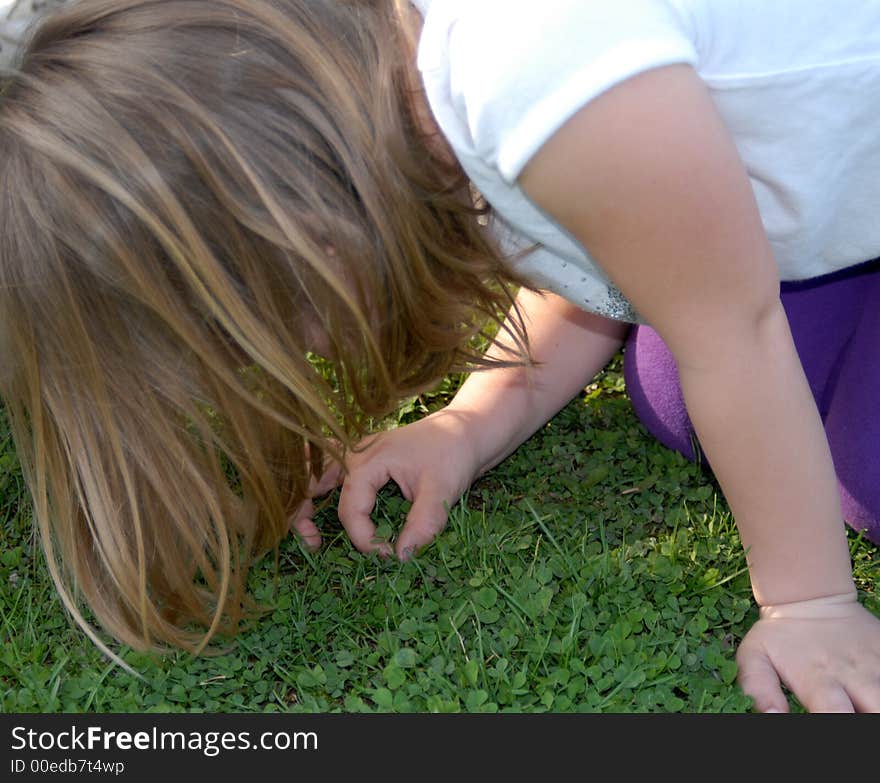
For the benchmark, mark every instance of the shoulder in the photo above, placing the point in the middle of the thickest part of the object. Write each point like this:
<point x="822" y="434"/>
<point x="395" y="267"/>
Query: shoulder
<point x="647" y="178"/>
<point x="517" y="70"/>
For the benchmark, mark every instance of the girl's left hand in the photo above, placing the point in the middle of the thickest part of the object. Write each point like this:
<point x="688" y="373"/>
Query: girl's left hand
<point x="826" y="651"/>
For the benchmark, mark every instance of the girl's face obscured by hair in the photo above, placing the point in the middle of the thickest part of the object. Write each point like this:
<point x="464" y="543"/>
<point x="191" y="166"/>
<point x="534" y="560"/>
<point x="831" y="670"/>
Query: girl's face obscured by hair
<point x="175" y="174"/>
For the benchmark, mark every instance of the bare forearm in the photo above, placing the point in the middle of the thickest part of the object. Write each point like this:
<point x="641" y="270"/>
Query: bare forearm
<point x="760" y="429"/>
<point x="568" y="347"/>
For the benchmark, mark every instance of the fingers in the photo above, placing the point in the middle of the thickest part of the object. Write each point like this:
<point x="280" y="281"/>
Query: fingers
<point x="863" y="685"/>
<point x="308" y="533"/>
<point x="827" y="696"/>
<point x="330" y="479"/>
<point x="425" y="521"/>
<point x="356" y="503"/>
<point x="758" y="679"/>
<point x="301" y="523"/>
<point x="818" y="686"/>
<point x="401" y="457"/>
<point x="305" y="529"/>
<point x="867" y="697"/>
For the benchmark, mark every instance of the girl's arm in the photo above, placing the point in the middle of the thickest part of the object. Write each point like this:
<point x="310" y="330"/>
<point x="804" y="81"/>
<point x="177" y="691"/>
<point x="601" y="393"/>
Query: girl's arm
<point x="435" y="460"/>
<point x="648" y="179"/>
<point x="568" y="347"/>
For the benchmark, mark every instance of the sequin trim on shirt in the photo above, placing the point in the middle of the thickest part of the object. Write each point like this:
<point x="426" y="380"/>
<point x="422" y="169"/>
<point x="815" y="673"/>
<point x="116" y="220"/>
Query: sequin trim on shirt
<point x="618" y="307"/>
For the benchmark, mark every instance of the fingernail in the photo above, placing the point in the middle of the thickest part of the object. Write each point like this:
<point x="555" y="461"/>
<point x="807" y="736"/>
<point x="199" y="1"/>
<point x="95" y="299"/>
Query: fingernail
<point x="773" y="709"/>
<point x="407" y="552"/>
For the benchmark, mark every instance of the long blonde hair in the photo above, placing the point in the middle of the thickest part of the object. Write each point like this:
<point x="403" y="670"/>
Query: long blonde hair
<point x="190" y="189"/>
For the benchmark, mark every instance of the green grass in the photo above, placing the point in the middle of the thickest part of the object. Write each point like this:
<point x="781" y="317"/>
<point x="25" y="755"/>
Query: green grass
<point x="592" y="571"/>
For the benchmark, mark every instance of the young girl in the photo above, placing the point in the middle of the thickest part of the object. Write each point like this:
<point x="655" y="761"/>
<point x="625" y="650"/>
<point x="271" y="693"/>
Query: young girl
<point x="197" y="193"/>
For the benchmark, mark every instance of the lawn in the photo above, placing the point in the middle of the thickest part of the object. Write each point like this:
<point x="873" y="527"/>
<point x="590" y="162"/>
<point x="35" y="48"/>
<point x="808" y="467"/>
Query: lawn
<point x="593" y="571"/>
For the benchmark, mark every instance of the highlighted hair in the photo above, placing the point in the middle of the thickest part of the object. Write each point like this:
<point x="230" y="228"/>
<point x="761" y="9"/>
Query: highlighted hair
<point x="192" y="191"/>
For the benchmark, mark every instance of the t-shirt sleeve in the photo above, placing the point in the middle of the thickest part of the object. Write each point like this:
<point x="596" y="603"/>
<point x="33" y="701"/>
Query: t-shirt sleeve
<point x="519" y="69"/>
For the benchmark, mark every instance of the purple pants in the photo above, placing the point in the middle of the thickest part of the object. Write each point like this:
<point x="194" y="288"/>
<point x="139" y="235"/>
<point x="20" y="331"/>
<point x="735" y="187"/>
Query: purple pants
<point x="835" y="321"/>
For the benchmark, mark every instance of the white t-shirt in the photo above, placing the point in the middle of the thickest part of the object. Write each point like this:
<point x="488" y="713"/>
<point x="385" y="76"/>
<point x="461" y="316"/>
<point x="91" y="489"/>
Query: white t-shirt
<point x="797" y="83"/>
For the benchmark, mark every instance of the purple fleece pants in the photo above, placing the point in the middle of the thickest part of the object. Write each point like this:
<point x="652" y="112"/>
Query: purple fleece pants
<point x="835" y="321"/>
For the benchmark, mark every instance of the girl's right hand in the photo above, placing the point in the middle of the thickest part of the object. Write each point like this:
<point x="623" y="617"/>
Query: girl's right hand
<point x="433" y="461"/>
